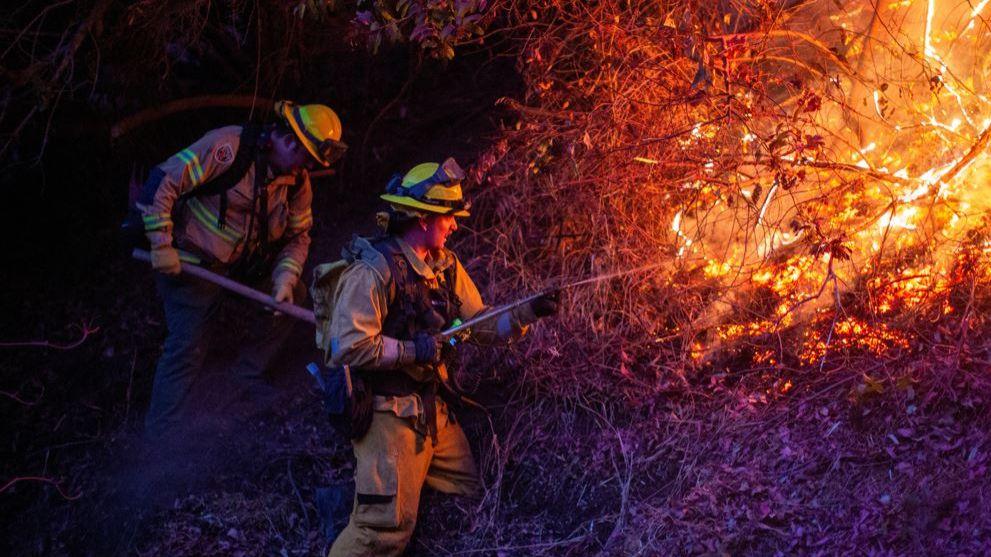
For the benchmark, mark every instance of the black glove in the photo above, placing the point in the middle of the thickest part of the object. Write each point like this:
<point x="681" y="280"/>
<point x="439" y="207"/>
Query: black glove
<point x="547" y="304"/>
<point x="428" y="348"/>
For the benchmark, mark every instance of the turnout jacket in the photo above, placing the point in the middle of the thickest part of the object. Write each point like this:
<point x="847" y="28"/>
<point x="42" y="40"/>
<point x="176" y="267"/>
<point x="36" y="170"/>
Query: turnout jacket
<point x="192" y="223"/>
<point x="362" y="302"/>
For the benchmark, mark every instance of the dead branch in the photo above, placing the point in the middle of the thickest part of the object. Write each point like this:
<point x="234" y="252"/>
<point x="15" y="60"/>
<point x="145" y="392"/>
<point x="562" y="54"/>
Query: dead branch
<point x="41" y="479"/>
<point x="531" y="111"/>
<point x="91" y="26"/>
<point x="792" y="34"/>
<point x="16" y="397"/>
<point x="292" y="482"/>
<point x="86" y="329"/>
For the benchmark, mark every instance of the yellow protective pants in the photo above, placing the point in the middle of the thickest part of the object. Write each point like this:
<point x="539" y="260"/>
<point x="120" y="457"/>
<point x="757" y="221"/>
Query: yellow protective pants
<point x="393" y="463"/>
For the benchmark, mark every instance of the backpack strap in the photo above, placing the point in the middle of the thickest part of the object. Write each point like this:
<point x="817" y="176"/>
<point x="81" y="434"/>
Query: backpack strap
<point x="398" y="279"/>
<point x="381" y="265"/>
<point x="261" y="198"/>
<point x="450" y="275"/>
<point x="247" y="151"/>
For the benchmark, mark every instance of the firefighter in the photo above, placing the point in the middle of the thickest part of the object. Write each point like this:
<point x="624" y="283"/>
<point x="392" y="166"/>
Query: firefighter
<point x="400" y="290"/>
<point x="236" y="201"/>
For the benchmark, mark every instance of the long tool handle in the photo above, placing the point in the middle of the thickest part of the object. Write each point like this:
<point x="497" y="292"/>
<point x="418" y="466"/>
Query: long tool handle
<point x="291" y="310"/>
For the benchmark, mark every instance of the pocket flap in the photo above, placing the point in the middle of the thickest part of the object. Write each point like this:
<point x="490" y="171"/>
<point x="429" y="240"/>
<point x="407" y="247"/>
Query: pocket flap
<point x="378" y="477"/>
<point x="376" y="492"/>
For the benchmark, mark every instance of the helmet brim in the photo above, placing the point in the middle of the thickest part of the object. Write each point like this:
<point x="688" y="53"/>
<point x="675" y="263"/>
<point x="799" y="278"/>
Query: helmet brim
<point x="411" y="203"/>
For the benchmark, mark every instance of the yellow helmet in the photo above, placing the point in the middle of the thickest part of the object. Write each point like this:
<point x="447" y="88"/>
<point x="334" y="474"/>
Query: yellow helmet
<point x="317" y="127"/>
<point x="429" y="188"/>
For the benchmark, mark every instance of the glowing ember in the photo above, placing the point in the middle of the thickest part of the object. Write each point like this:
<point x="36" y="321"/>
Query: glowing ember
<point x="851" y="335"/>
<point x="861" y="190"/>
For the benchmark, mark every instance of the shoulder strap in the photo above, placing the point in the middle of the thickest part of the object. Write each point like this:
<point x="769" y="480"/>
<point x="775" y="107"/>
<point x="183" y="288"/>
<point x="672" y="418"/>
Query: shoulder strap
<point x="247" y="146"/>
<point x="394" y="258"/>
<point x="404" y="290"/>
<point x="450" y="277"/>
<point x="247" y="153"/>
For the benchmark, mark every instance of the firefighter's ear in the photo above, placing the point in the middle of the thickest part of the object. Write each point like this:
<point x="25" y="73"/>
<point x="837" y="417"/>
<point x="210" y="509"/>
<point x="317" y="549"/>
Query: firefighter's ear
<point x="423" y="223"/>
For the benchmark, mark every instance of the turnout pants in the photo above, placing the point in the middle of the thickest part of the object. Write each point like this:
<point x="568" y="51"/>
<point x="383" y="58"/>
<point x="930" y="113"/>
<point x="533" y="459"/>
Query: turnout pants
<point x="393" y="463"/>
<point x="190" y="304"/>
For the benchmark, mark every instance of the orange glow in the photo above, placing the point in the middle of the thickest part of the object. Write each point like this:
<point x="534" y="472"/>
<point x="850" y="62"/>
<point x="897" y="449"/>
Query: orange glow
<point x="866" y="197"/>
<point x="850" y="335"/>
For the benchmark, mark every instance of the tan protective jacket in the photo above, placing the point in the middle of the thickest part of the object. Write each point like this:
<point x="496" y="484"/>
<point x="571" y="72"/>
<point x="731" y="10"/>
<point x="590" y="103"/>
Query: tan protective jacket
<point x="361" y="305"/>
<point x="193" y="223"/>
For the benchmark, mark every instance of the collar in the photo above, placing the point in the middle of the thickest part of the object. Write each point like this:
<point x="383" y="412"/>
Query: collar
<point x="429" y="268"/>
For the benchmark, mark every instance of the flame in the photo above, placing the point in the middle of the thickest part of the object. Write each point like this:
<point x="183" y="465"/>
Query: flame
<point x="889" y="163"/>
<point x="902" y="219"/>
<point x="852" y="334"/>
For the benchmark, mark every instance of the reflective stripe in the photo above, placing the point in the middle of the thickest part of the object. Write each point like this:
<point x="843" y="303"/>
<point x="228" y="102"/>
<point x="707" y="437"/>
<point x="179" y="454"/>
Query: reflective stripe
<point x="156" y="222"/>
<point x="189" y="258"/>
<point x="209" y="220"/>
<point x="390" y="352"/>
<point x="307" y="223"/>
<point x="301" y="220"/>
<point x="192" y="165"/>
<point x="290" y="264"/>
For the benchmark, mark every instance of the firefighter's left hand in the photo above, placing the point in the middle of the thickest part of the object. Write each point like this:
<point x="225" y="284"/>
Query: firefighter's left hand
<point x="282" y="287"/>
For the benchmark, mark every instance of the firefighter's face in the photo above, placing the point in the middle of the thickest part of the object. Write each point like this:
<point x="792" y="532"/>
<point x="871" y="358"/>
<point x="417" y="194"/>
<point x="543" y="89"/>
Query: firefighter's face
<point x="289" y="155"/>
<point x="438" y="229"/>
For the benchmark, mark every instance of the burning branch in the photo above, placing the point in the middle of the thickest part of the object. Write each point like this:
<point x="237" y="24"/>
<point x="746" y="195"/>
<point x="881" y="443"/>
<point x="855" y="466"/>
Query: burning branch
<point x="976" y="149"/>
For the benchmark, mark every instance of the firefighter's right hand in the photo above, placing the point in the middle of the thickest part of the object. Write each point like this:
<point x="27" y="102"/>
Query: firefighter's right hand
<point x="428" y="347"/>
<point x="165" y="260"/>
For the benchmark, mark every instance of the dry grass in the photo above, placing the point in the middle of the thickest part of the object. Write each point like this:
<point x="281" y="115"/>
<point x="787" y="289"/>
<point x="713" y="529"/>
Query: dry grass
<point x="784" y="382"/>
